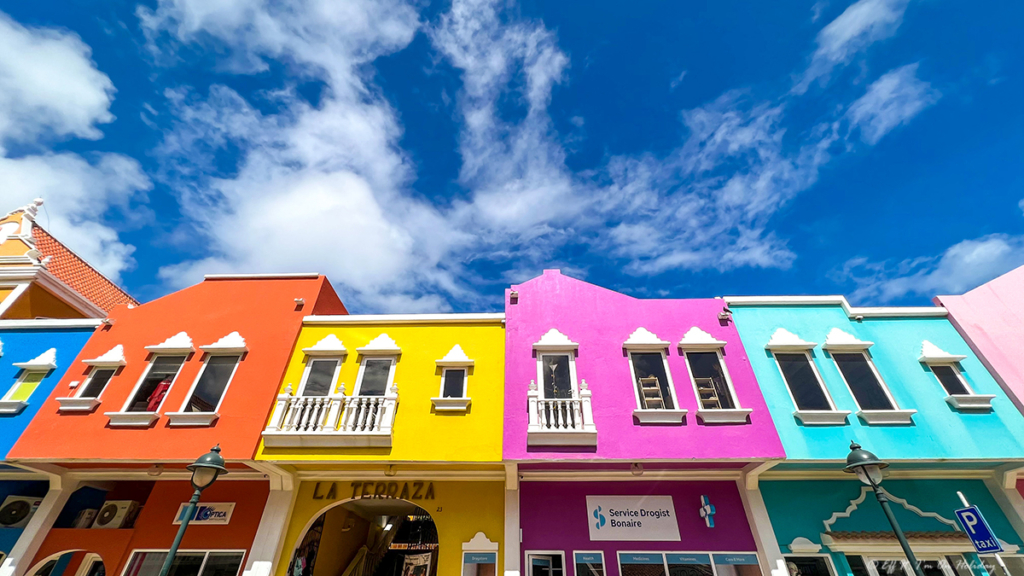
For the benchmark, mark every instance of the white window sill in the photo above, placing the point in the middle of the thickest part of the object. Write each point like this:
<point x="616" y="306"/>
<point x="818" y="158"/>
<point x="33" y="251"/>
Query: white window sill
<point x="971" y="401"/>
<point x="279" y="439"/>
<point x="562" y="438"/>
<point x="12" y="406"/>
<point x="822" y="417"/>
<point x="192" y="418"/>
<point x="724" y="416"/>
<point x="77" y="404"/>
<point x="136" y="419"/>
<point x="887" y="416"/>
<point x="659" y="416"/>
<point x="450" y="404"/>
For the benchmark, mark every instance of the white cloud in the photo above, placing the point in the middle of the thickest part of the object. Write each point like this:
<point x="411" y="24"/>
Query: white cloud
<point x="961" y="267"/>
<point x="50" y="88"/>
<point x="890" y="101"/>
<point x="859" y="26"/>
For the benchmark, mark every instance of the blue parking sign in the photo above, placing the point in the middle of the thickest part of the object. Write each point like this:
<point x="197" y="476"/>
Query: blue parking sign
<point x="984" y="540"/>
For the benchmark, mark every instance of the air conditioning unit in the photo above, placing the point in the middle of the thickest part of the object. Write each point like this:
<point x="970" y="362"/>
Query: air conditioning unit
<point x="17" y="510"/>
<point x="85" y="518"/>
<point x="117" y="514"/>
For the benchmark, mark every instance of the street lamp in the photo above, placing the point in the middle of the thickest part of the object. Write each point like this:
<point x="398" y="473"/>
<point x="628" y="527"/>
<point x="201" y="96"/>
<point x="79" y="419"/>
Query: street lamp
<point x="868" y="469"/>
<point x="205" y="471"/>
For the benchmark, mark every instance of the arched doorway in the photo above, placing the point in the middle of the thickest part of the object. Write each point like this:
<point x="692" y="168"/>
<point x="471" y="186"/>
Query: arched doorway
<point x="368" y="537"/>
<point x="70" y="563"/>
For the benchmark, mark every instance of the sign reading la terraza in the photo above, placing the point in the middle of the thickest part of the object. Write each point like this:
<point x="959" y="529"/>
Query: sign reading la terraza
<point x="207" y="513"/>
<point x="650" y="518"/>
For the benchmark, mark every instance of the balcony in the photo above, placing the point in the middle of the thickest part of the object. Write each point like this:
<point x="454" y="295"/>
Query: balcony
<point x="561" y="421"/>
<point x="335" y="420"/>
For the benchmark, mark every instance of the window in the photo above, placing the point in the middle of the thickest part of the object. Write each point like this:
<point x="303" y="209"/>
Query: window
<point x="689" y="565"/>
<point x="864" y="383"/>
<point x="150" y="392"/>
<point x="97" y="382"/>
<point x="650" y="375"/>
<point x="1015" y="565"/>
<point x="453" y="383"/>
<point x="803" y="381"/>
<point x="545" y="563"/>
<point x="187" y="563"/>
<point x="710" y="380"/>
<point x="213" y="380"/>
<point x="737" y="565"/>
<point x="641" y="564"/>
<point x="25" y="386"/>
<point x="948" y="565"/>
<point x="375" y="376"/>
<point x="950" y="379"/>
<point x="808" y="566"/>
<point x="557" y="374"/>
<point x="320" y="378"/>
<point x="479" y="563"/>
<point x="589" y="563"/>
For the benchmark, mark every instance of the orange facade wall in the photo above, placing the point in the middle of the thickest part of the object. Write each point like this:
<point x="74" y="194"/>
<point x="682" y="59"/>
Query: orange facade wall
<point x="154" y="529"/>
<point x="263" y="311"/>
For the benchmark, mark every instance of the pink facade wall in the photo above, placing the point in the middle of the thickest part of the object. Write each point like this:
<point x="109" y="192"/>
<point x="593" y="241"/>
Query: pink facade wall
<point x="600" y="320"/>
<point x="991" y="320"/>
<point x="554" y="516"/>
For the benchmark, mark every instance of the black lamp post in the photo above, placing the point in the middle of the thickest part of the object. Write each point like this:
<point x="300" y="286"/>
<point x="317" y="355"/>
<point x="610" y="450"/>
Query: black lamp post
<point x="868" y="469"/>
<point x="205" y="471"/>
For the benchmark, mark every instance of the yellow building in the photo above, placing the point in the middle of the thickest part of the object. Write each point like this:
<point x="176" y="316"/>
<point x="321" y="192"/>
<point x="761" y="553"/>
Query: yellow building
<point x="384" y="448"/>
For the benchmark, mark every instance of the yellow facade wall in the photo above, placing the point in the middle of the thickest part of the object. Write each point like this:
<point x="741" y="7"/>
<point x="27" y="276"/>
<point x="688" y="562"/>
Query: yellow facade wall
<point x="36" y="302"/>
<point x="459" y="510"/>
<point x="419" y="434"/>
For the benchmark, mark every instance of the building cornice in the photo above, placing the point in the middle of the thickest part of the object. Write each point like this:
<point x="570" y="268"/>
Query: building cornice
<point x="851" y="311"/>
<point x="490" y="318"/>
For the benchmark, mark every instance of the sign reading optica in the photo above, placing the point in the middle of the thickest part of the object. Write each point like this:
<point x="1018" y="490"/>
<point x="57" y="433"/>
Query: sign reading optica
<point x="207" y="513"/>
<point x="649" y="518"/>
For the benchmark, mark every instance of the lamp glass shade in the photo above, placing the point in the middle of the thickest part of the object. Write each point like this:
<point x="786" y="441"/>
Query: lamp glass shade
<point x="869" y="474"/>
<point x="203" y="477"/>
<point x="206" y="469"/>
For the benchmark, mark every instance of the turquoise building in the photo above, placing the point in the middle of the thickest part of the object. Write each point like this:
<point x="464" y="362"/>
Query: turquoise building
<point x="34" y="355"/>
<point x="904" y="384"/>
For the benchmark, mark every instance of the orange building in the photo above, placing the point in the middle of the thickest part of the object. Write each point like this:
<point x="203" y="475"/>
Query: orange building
<point x="152" y="390"/>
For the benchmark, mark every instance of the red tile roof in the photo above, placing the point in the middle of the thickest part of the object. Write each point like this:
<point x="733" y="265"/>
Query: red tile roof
<point x="934" y="536"/>
<point x="69" y="268"/>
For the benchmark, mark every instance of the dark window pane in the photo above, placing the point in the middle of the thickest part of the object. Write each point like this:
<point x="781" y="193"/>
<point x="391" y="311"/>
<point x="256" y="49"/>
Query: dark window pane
<point x="454" y="383"/>
<point x="321" y="378"/>
<point x="857" y="565"/>
<point x="865" y="386"/>
<point x="641" y="564"/>
<point x="807" y="566"/>
<point x="557" y="382"/>
<point x="689" y="565"/>
<point x="589" y="564"/>
<point x="950" y="379"/>
<point x="222" y="564"/>
<point x="803" y="382"/>
<point x="211" y="384"/>
<point x="959" y="565"/>
<point x="97" y="569"/>
<point x="97" y="382"/>
<point x="375" y="377"/>
<point x="653" y="393"/>
<point x="156" y="383"/>
<point x="149" y="563"/>
<point x="890" y="568"/>
<point x="710" y="379"/>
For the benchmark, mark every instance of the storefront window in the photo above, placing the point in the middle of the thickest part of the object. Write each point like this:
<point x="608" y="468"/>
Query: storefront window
<point x="737" y="565"/>
<point x="545" y="564"/>
<point x="641" y="564"/>
<point x="689" y="565"/>
<point x="857" y="565"/>
<point x="959" y="565"/>
<point x="479" y="563"/>
<point x="808" y="566"/>
<point x="589" y="563"/>
<point x="1015" y="564"/>
<point x="192" y="563"/>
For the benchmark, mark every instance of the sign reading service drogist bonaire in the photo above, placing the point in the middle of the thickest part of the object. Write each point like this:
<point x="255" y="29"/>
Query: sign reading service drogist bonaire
<point x="649" y="518"/>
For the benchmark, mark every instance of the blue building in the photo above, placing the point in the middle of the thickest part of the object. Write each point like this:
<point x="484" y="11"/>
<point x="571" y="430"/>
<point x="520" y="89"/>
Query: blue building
<point x="904" y="384"/>
<point x="34" y="355"/>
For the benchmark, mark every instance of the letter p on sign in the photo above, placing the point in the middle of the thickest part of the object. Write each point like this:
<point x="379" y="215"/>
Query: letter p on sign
<point x="984" y="540"/>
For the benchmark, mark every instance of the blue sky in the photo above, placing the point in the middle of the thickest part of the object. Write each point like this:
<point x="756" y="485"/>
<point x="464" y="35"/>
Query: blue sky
<point x="426" y="155"/>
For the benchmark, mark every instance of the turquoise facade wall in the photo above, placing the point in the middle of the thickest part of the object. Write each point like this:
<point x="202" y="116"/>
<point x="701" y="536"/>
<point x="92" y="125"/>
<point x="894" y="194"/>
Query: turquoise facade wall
<point x="938" y="432"/>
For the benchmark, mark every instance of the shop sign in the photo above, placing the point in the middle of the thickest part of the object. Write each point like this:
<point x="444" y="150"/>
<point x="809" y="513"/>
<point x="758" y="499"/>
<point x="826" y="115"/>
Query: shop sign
<point x="207" y="513"/>
<point x="736" y="559"/>
<point x="649" y="518"/>
<point x="416" y="490"/>
<point x="983" y="538"/>
<point x="479" y="558"/>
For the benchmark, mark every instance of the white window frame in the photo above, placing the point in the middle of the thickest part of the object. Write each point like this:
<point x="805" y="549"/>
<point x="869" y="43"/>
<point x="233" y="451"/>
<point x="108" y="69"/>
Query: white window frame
<point x="21" y="380"/>
<point x="92" y="373"/>
<point x="205" y="551"/>
<point x="195" y="383"/>
<point x="528" y="553"/>
<point x="465" y="382"/>
<point x="970" y="401"/>
<point x="811" y="417"/>
<point x="90" y="559"/>
<point x="362" y="367"/>
<point x="828" y="560"/>
<point x="664" y="562"/>
<point x="956" y="370"/>
<point x="870" y="559"/>
<point x="735" y="415"/>
<point x="896" y="415"/>
<point x="573" y="382"/>
<point x="654" y="415"/>
<point x="601" y="552"/>
<point x="145" y="374"/>
<point x="309" y="365"/>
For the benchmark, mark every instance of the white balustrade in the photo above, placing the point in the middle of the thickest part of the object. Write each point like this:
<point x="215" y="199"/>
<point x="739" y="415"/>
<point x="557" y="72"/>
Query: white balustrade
<point x="561" y="421"/>
<point x="332" y="420"/>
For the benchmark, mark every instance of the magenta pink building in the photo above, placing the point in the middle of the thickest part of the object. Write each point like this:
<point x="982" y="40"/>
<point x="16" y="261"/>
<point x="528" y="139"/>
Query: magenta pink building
<point x="635" y="431"/>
